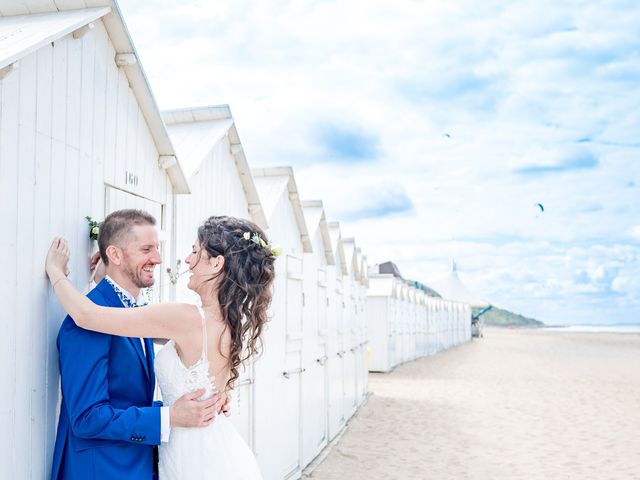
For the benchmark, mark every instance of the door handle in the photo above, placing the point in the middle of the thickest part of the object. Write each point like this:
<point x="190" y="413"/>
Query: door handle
<point x="322" y="360"/>
<point x="288" y="373"/>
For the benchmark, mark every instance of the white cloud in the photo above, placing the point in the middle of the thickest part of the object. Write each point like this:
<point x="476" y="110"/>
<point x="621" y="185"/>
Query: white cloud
<point x="478" y="111"/>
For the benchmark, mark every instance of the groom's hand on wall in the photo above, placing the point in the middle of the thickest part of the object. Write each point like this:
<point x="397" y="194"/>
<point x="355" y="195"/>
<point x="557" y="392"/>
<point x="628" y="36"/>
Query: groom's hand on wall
<point x="97" y="268"/>
<point x="188" y="411"/>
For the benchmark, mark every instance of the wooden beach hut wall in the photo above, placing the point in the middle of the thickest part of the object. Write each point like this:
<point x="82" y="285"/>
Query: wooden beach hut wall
<point x="420" y="323"/>
<point x="460" y="325"/>
<point x="80" y="134"/>
<point x="435" y="329"/>
<point x="362" y="335"/>
<point x="442" y="325"/>
<point x="453" y="324"/>
<point x="429" y="327"/>
<point x="399" y="316"/>
<point x="350" y="319"/>
<point x="425" y="324"/>
<point x="406" y="318"/>
<point x="446" y="313"/>
<point x="315" y="387"/>
<point x="356" y="329"/>
<point x="381" y="321"/>
<point x="450" y="323"/>
<point x="412" y="318"/>
<point x="433" y="326"/>
<point x="335" y="332"/>
<point x="279" y="372"/>
<point x="211" y="154"/>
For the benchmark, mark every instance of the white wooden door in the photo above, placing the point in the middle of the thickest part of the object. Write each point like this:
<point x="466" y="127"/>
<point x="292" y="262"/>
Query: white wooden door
<point x="322" y="387"/>
<point x="336" y="364"/>
<point x="293" y="370"/>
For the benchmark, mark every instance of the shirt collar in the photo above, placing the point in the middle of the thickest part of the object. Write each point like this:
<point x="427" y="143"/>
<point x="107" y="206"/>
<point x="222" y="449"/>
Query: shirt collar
<point x="140" y="301"/>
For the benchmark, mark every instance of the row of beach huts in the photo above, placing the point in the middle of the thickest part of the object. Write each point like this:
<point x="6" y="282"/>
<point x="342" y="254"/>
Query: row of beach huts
<point x="81" y="134"/>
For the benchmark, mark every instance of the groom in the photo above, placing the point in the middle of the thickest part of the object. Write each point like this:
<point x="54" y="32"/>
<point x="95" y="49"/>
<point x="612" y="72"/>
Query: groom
<point x="109" y="425"/>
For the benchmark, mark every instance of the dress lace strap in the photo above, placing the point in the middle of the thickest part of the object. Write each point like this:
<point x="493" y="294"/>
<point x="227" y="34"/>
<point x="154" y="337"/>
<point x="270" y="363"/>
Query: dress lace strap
<point x="204" y="332"/>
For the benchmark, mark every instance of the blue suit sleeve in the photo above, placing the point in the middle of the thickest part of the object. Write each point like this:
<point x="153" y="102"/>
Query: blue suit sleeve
<point x="84" y="363"/>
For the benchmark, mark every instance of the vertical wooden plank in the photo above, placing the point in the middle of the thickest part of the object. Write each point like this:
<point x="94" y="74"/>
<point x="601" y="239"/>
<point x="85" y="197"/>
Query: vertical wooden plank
<point x="111" y="106"/>
<point x="86" y="164"/>
<point x="8" y="212"/>
<point x="100" y="106"/>
<point x="72" y="171"/>
<point x="88" y="55"/>
<point x="24" y="242"/>
<point x="143" y="164"/>
<point x="40" y="320"/>
<point x="122" y="126"/>
<point x="57" y="166"/>
<point x="59" y="107"/>
<point x="74" y="91"/>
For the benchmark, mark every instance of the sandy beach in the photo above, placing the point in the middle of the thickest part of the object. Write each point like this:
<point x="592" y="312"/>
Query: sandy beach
<point x="516" y="404"/>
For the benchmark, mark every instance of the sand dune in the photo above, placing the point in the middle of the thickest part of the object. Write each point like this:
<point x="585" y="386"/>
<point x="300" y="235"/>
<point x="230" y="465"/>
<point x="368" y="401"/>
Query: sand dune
<point x="528" y="404"/>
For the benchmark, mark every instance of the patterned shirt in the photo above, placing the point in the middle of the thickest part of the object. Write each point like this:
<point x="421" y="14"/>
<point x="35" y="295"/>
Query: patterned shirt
<point x="127" y="300"/>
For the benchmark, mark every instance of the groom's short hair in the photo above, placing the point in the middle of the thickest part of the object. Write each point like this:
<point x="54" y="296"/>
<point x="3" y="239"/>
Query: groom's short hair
<point x="117" y="224"/>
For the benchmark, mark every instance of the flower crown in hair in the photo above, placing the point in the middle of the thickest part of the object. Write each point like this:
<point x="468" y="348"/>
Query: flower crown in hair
<point x="258" y="240"/>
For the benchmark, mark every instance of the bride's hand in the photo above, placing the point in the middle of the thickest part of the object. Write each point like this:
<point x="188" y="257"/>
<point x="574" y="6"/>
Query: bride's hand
<point x="57" y="261"/>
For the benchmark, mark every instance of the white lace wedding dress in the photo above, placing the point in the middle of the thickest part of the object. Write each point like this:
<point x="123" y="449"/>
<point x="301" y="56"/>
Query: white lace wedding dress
<point x="217" y="451"/>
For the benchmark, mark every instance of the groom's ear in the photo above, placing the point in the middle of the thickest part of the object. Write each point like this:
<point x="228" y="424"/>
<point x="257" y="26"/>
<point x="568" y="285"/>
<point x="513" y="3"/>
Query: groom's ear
<point x="114" y="254"/>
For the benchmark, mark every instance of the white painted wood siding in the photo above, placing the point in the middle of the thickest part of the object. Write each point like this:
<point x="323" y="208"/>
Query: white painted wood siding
<point x="69" y="124"/>
<point x="277" y="399"/>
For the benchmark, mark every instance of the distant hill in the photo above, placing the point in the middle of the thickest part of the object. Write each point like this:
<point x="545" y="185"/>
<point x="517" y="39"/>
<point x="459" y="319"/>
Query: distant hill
<point x="498" y="317"/>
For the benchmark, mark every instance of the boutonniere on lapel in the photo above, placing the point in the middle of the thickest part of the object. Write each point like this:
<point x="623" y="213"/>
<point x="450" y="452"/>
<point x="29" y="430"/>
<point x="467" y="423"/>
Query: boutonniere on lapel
<point x="94" y="228"/>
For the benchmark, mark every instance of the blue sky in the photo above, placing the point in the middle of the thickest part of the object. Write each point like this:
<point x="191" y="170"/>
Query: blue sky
<point x="432" y="129"/>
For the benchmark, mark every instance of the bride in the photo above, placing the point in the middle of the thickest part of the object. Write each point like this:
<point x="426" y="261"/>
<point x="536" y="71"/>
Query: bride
<point x="232" y="269"/>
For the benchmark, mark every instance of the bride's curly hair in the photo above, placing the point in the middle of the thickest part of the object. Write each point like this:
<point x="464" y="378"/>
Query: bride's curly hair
<point x="245" y="287"/>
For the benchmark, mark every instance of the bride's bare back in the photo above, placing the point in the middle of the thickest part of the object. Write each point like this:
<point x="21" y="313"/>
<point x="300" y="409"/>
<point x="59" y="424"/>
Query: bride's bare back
<point x="218" y="348"/>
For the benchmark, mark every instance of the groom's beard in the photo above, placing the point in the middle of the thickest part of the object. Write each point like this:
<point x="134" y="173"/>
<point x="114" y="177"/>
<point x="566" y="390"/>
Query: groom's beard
<point x="136" y="277"/>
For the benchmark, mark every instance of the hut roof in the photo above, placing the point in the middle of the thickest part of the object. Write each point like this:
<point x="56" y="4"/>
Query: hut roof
<point x="337" y="245"/>
<point x="271" y="184"/>
<point x="351" y="256"/>
<point x="315" y="218"/>
<point x="26" y="26"/>
<point x="387" y="267"/>
<point x="195" y="131"/>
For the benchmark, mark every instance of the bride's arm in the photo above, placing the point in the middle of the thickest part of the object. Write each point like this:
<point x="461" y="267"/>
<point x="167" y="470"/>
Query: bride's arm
<point x="169" y="320"/>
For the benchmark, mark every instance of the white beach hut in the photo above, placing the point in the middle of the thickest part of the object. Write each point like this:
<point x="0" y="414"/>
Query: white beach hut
<point x="80" y="134"/>
<point x="361" y="332"/>
<point x="211" y="154"/>
<point x="315" y="387"/>
<point x="335" y="332"/>
<point x="381" y="321"/>
<point x="420" y="323"/>
<point x="279" y="373"/>
<point x="349" y="327"/>
<point x="399" y="321"/>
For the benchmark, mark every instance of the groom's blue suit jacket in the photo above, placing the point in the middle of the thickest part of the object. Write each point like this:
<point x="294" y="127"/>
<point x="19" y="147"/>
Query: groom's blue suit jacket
<point x="108" y="423"/>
